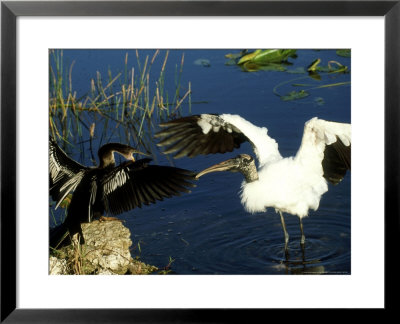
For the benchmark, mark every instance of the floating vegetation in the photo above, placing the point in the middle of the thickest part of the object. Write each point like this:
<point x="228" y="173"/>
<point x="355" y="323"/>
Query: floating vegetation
<point x="202" y="62"/>
<point x="277" y="60"/>
<point x="266" y="59"/>
<point x="333" y="67"/>
<point x="314" y="72"/>
<point x="268" y="56"/>
<point x="344" y="52"/>
<point x="318" y="101"/>
<point x="123" y="106"/>
<point x="303" y="93"/>
<point x="294" y="95"/>
<point x="313" y="66"/>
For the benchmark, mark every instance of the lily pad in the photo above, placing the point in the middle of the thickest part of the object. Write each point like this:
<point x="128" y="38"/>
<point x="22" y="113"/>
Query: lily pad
<point x="344" y="52"/>
<point x="319" y="101"/>
<point x="252" y="67"/>
<point x="234" y="56"/>
<point x="295" y="95"/>
<point x="202" y="62"/>
<point x="315" y="76"/>
<point x="268" y="56"/>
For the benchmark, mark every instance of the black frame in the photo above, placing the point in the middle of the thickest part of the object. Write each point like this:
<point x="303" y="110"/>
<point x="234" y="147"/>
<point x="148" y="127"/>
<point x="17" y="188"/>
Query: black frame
<point x="11" y="10"/>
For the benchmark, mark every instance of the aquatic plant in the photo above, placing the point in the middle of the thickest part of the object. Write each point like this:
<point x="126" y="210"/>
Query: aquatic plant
<point x="277" y="60"/>
<point x="314" y="73"/>
<point x="125" y="106"/>
<point x="262" y="59"/>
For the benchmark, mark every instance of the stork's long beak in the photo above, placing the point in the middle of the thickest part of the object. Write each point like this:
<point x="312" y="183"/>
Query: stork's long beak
<point x="223" y="166"/>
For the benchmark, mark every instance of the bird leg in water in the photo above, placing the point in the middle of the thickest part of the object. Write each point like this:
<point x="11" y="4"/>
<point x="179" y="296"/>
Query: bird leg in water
<point x="285" y="233"/>
<point x="303" y="238"/>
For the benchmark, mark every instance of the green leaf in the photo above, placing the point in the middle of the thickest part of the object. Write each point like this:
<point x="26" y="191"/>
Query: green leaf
<point x="344" y="52"/>
<point x="248" y="57"/>
<point x="234" y="56"/>
<point x="268" y="56"/>
<point x="273" y="56"/>
<point x="295" y="95"/>
<point x="313" y="66"/>
<point x="319" y="101"/>
<point x="338" y="68"/>
<point x="252" y="67"/>
<point x="315" y="76"/>
<point x="202" y="62"/>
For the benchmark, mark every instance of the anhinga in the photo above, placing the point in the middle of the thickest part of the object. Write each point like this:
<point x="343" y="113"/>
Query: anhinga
<point x="108" y="188"/>
<point x="292" y="184"/>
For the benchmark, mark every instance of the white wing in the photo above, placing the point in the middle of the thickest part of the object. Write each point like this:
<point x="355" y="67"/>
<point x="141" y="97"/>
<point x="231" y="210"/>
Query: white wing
<point x="265" y="147"/>
<point x="209" y="134"/>
<point x="326" y="144"/>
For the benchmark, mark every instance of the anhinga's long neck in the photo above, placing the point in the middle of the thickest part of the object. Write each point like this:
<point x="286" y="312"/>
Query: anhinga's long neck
<point x="106" y="153"/>
<point x="106" y="159"/>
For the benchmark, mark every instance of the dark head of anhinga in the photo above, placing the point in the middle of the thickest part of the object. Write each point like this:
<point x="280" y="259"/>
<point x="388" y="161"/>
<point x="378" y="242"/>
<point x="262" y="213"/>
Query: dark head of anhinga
<point x="106" y="153"/>
<point x="242" y="163"/>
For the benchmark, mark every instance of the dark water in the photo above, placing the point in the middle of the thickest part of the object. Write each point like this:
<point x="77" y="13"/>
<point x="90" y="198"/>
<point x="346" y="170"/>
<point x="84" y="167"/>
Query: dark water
<point x="208" y="231"/>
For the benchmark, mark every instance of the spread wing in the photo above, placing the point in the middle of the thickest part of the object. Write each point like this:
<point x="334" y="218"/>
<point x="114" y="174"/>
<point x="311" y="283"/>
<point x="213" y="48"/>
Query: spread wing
<point x="199" y="134"/>
<point x="133" y="184"/>
<point x="65" y="173"/>
<point x="327" y="143"/>
<point x="206" y="133"/>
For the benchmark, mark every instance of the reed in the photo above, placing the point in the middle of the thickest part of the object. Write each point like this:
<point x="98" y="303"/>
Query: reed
<point x="118" y="107"/>
<point x="123" y="107"/>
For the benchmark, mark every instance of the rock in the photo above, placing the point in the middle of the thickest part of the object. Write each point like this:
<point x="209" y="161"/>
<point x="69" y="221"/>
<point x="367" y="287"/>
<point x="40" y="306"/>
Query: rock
<point x="57" y="266"/>
<point x="107" y="246"/>
<point x="106" y="251"/>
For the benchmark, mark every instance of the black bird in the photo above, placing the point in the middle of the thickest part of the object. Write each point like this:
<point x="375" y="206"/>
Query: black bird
<point x="108" y="188"/>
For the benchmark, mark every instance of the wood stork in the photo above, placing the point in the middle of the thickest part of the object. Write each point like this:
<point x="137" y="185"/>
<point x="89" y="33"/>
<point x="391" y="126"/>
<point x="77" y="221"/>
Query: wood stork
<point x="293" y="184"/>
<point x="110" y="188"/>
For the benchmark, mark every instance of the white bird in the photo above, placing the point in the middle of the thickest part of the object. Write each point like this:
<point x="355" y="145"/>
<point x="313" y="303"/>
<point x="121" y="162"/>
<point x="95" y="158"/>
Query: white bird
<point x="292" y="185"/>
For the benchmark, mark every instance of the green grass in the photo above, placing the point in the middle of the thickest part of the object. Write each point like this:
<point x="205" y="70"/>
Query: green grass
<point x="125" y="106"/>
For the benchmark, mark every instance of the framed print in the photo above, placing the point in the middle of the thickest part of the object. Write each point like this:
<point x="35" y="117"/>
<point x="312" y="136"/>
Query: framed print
<point x="113" y="72"/>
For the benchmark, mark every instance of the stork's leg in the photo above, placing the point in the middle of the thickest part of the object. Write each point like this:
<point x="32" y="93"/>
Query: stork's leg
<point x="286" y="234"/>
<point x="303" y="238"/>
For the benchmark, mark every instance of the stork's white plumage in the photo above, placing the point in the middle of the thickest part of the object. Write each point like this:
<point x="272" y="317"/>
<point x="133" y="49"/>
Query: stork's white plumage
<point x="292" y="184"/>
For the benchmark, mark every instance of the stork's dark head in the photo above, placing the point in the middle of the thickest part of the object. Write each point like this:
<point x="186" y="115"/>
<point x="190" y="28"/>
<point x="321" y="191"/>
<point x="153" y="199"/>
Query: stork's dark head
<point x="106" y="153"/>
<point x="242" y="163"/>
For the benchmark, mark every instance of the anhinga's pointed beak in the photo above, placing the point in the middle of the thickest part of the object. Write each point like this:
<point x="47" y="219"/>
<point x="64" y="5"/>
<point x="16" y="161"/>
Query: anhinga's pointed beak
<point x="227" y="165"/>
<point x="137" y="152"/>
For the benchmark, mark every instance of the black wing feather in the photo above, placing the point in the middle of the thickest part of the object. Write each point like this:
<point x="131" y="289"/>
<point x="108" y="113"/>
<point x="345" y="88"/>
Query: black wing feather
<point x="144" y="184"/>
<point x="185" y="137"/>
<point x="61" y="170"/>
<point x="336" y="162"/>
